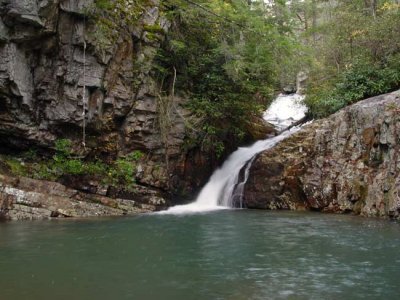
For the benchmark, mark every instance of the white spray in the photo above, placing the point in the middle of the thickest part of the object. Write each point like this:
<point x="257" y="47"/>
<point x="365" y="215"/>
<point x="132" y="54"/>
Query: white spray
<point x="224" y="188"/>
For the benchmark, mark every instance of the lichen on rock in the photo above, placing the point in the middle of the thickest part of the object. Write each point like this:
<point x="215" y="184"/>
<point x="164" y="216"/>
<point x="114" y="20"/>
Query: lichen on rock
<point x="347" y="163"/>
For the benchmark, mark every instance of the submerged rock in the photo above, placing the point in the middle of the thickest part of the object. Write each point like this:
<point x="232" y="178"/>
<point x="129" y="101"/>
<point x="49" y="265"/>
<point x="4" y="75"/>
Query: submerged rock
<point x="348" y="162"/>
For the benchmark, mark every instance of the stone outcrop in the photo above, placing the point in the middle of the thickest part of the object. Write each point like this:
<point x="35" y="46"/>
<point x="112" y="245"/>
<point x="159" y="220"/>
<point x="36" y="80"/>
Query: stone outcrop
<point x="29" y="199"/>
<point x="347" y="163"/>
<point x="45" y="49"/>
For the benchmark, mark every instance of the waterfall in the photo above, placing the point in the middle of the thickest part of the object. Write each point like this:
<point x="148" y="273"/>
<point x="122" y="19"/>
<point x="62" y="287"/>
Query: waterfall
<point x="236" y="199"/>
<point x="285" y="110"/>
<point x="223" y="189"/>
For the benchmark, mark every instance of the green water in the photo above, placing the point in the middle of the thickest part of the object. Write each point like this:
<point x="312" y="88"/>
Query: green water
<point x="235" y="254"/>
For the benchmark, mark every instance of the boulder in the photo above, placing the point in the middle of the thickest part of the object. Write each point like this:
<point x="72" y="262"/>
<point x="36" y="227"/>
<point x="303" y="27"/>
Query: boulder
<point x="30" y="199"/>
<point x="301" y="80"/>
<point x="348" y="162"/>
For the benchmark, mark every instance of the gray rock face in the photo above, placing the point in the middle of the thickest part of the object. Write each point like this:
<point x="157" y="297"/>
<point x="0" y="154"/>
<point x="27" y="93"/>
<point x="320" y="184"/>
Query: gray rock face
<point x="44" y="75"/>
<point x="29" y="199"/>
<point x="75" y="6"/>
<point x="301" y="80"/>
<point x="348" y="162"/>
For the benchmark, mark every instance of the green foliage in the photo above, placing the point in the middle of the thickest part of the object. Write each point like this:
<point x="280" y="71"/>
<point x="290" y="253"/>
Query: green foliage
<point x="121" y="13"/>
<point x="42" y="170"/>
<point x="153" y="28"/>
<point x="73" y="167"/>
<point x="63" y="162"/>
<point x="356" y="50"/>
<point x="229" y="64"/>
<point x="123" y="172"/>
<point x="111" y="19"/>
<point x="63" y="147"/>
<point x="120" y="172"/>
<point x="31" y="155"/>
<point x="358" y="82"/>
<point x="135" y="156"/>
<point x="104" y="5"/>
<point x="95" y="168"/>
<point x="16" y="166"/>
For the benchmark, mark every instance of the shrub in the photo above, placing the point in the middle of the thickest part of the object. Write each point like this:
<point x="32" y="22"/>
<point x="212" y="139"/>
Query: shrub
<point x="63" y="147"/>
<point x="120" y="172"/>
<point x="123" y="170"/>
<point x="16" y="166"/>
<point x="359" y="81"/>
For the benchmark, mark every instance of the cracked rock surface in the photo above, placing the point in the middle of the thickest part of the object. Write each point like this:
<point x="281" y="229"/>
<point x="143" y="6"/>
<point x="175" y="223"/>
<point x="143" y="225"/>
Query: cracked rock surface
<point x="346" y="163"/>
<point x="42" y="83"/>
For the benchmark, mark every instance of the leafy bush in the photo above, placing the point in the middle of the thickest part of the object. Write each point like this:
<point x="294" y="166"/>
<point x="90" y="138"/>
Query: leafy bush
<point x="123" y="170"/>
<point x="355" y="47"/>
<point x="16" y="166"/>
<point x="111" y="19"/>
<point x="120" y="172"/>
<point x="63" y="161"/>
<point x="360" y="81"/>
<point x="63" y="147"/>
<point x="74" y="167"/>
<point x="135" y="156"/>
<point x="95" y="168"/>
<point x="42" y="170"/>
<point x="229" y="69"/>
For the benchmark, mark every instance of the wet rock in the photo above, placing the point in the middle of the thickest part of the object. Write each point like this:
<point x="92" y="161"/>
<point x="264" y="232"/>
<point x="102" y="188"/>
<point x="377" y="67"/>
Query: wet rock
<point x="301" y="81"/>
<point x="3" y="32"/>
<point x="25" y="11"/>
<point x="289" y="89"/>
<point x="348" y="162"/>
<point x="29" y="199"/>
<point x="42" y="88"/>
<point x="76" y="6"/>
<point x="259" y="129"/>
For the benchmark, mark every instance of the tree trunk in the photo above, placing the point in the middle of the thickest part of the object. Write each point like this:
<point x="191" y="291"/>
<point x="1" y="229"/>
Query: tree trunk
<point x="314" y="19"/>
<point x="373" y="8"/>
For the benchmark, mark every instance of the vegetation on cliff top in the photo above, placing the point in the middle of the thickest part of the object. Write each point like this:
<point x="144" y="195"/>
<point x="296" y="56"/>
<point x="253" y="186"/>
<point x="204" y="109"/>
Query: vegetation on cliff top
<point x="232" y="55"/>
<point x="228" y="56"/>
<point x="355" y="50"/>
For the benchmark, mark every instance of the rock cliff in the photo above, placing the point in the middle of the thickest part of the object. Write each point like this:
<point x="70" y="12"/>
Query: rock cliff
<point x="347" y="163"/>
<point x="51" y="55"/>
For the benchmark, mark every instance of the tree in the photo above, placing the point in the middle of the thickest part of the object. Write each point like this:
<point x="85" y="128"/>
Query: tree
<point x="228" y="57"/>
<point x="356" y="53"/>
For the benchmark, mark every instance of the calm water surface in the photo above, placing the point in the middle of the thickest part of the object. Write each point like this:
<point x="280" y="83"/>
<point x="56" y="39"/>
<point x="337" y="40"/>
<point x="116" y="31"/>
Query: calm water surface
<point x="234" y="254"/>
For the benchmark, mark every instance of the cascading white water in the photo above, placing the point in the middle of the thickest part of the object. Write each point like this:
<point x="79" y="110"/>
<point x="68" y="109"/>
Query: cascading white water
<point x="236" y="199"/>
<point x="285" y="110"/>
<point x="224" y="187"/>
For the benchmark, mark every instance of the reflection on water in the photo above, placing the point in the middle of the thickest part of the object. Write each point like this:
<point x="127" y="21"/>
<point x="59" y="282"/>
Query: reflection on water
<point x="219" y="255"/>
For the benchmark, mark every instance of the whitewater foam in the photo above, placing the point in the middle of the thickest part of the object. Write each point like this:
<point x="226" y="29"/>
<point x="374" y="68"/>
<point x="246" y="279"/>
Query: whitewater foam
<point x="223" y="187"/>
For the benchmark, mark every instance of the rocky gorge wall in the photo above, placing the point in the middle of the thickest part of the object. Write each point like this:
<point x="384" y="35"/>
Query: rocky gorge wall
<point x="45" y="49"/>
<point x="346" y="163"/>
<point x="51" y="55"/>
